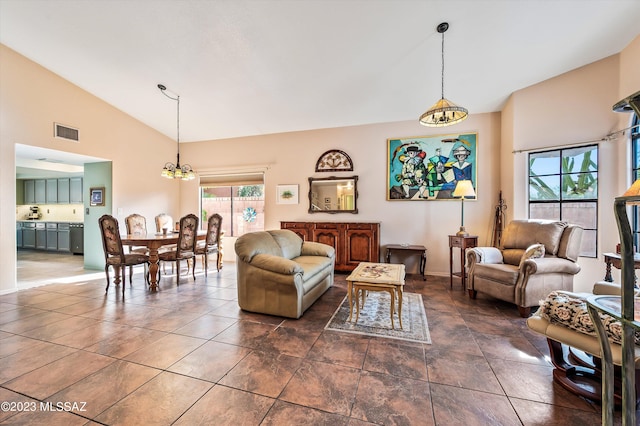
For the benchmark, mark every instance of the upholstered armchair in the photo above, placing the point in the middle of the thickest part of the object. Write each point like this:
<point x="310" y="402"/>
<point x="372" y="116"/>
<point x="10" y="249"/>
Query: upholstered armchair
<point x="536" y="258"/>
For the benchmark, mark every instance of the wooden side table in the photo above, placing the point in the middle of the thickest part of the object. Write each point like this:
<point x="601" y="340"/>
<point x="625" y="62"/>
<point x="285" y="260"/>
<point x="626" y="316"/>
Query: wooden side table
<point x="615" y="260"/>
<point x="412" y="249"/>
<point x="463" y="243"/>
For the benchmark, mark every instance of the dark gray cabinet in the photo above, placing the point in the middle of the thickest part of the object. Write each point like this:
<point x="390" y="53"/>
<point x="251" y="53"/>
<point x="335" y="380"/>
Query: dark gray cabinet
<point x="51" y="191"/>
<point x="29" y="192"/>
<point x="75" y="190"/>
<point x="19" y="235"/>
<point x="28" y="235"/>
<point x="64" y="243"/>
<point x="52" y="236"/>
<point x="63" y="191"/>
<point x="41" y="236"/>
<point x="40" y="191"/>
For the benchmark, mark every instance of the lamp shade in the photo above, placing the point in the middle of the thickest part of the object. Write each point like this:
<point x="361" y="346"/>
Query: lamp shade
<point x="634" y="190"/>
<point x="443" y="113"/>
<point x="464" y="188"/>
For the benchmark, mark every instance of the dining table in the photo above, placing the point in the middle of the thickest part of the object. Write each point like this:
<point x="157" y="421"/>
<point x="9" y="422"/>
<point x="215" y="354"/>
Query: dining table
<point x="154" y="241"/>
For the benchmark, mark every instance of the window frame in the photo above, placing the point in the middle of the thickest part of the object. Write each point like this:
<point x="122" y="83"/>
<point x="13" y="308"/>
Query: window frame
<point x="561" y="200"/>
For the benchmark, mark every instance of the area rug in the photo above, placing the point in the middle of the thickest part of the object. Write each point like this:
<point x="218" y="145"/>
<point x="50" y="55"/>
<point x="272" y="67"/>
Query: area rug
<point x="374" y="318"/>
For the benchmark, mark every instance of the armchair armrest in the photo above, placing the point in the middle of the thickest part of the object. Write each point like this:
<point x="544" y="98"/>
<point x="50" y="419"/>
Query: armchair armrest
<point x="545" y="265"/>
<point x="484" y="255"/>
<point x="312" y="248"/>
<point x="276" y="264"/>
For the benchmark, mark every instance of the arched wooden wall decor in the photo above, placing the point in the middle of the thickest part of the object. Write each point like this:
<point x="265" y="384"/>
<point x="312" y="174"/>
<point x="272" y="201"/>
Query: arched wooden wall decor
<point x="334" y="160"/>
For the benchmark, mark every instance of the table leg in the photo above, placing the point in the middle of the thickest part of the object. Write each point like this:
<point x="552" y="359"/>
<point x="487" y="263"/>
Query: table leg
<point x="423" y="263"/>
<point x="450" y="267"/>
<point x="349" y="295"/>
<point x="463" y="272"/>
<point x="392" y="293"/>
<point x="153" y="268"/>
<point x="399" y="289"/>
<point x="116" y="271"/>
<point x="607" y="275"/>
<point x="388" y="256"/>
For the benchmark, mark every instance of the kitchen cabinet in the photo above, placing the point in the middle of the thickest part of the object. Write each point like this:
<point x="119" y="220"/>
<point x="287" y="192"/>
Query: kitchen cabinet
<point x="40" y="191"/>
<point x="52" y="236"/>
<point x="29" y="192"/>
<point x="19" y="234"/>
<point x="28" y="235"/>
<point x="63" y="191"/>
<point x="64" y="243"/>
<point x="41" y="236"/>
<point x="75" y="190"/>
<point x="51" y="192"/>
<point x="354" y="242"/>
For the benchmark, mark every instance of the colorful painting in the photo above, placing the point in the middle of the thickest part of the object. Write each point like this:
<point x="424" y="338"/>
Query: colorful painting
<point x="428" y="167"/>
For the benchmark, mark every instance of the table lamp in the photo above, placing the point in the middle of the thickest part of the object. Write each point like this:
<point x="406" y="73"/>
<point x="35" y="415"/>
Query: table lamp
<point x="464" y="189"/>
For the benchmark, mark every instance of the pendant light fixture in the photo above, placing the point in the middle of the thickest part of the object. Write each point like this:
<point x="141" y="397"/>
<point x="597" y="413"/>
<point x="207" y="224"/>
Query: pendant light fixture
<point x="444" y="112"/>
<point x="170" y="170"/>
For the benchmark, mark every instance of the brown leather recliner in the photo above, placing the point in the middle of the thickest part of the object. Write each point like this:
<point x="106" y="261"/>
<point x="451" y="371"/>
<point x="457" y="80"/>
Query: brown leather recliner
<point x="504" y="273"/>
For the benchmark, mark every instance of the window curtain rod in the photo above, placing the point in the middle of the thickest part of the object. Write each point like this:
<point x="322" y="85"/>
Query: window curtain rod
<point x="608" y="137"/>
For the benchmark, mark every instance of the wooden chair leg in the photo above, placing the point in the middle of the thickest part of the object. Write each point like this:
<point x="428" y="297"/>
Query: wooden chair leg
<point x="193" y="270"/>
<point x="178" y="273"/>
<point x="206" y="264"/>
<point x="106" y="271"/>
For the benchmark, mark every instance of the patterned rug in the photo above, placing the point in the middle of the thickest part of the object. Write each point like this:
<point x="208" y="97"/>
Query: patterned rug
<point x="374" y="318"/>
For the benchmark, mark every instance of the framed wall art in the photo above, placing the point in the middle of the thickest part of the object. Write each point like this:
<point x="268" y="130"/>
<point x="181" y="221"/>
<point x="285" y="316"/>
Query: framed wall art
<point x="96" y="196"/>
<point x="287" y="194"/>
<point x="428" y="167"/>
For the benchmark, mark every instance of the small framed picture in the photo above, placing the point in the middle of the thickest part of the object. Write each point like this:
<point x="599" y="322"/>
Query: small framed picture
<point x="287" y="194"/>
<point x="96" y="196"/>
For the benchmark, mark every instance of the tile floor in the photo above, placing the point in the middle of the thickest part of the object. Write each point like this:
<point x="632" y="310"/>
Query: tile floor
<point x="188" y="355"/>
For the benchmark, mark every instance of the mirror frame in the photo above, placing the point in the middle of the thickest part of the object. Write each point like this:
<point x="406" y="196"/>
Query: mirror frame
<point x="335" y="178"/>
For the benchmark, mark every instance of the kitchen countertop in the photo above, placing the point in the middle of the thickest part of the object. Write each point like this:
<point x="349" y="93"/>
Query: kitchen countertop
<point x="49" y="221"/>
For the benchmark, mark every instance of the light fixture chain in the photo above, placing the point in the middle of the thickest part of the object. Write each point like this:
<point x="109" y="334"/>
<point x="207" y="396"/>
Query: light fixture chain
<point x="442" y="74"/>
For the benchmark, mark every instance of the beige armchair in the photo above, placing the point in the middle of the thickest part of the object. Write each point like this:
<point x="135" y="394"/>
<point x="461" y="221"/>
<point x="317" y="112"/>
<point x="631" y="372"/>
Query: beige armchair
<point x="280" y="274"/>
<point x="536" y="258"/>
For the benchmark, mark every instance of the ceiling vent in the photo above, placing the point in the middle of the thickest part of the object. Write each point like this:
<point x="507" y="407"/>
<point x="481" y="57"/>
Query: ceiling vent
<point x="66" y="132"/>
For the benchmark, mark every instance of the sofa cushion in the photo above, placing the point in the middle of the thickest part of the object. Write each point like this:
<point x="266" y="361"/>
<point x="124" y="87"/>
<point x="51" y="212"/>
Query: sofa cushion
<point x="500" y="272"/>
<point x="512" y="256"/>
<point x="570" y="310"/>
<point x="312" y="266"/>
<point x="290" y="243"/>
<point x="256" y="243"/>
<point x="534" y="251"/>
<point x="520" y="234"/>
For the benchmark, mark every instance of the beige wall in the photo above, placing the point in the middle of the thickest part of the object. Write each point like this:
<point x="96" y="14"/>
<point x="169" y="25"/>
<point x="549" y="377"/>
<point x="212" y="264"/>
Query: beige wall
<point x="571" y="108"/>
<point x="31" y="100"/>
<point x="290" y="158"/>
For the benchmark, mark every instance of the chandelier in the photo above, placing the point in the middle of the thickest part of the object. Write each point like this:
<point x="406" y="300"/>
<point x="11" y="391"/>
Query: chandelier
<point x="170" y="170"/>
<point x="444" y="112"/>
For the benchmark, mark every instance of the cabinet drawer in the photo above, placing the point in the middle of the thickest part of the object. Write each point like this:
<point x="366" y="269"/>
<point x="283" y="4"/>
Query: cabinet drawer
<point x="361" y="226"/>
<point x="327" y="225"/>
<point x="293" y="225"/>
<point x="52" y="226"/>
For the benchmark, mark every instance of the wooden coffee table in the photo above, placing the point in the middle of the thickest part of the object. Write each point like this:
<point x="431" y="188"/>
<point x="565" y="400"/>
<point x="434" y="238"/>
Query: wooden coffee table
<point x="367" y="276"/>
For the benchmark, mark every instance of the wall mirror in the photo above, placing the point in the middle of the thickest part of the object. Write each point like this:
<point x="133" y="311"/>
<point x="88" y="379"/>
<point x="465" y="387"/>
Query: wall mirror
<point x="333" y="195"/>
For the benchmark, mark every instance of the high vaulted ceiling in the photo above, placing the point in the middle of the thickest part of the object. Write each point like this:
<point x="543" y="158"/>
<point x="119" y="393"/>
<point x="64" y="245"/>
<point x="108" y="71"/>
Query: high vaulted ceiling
<point x="266" y="66"/>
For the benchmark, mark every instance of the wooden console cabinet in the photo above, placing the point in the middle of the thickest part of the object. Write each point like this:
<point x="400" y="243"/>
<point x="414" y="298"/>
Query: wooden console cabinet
<point x="354" y="242"/>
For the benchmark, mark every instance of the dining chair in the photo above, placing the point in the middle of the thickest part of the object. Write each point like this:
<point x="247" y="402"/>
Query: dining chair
<point x="136" y="224"/>
<point x="185" y="247"/>
<point x="212" y="243"/>
<point x="114" y="254"/>
<point x="163" y="220"/>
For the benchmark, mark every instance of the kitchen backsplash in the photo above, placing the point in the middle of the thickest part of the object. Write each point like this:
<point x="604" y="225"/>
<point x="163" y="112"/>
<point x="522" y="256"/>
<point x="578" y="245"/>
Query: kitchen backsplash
<point x="54" y="212"/>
